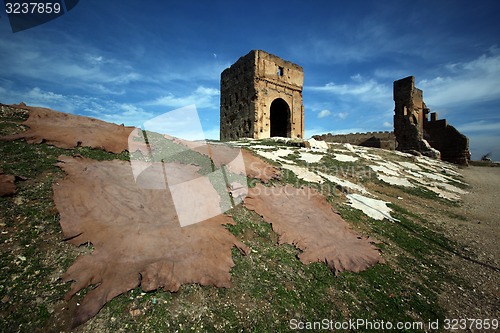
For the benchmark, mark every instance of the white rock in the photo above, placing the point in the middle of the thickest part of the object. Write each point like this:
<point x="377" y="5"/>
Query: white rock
<point x="370" y="157"/>
<point x="374" y="208"/>
<point x="262" y="147"/>
<point x="444" y="194"/>
<point x="349" y="147"/>
<point x="435" y="176"/>
<point x="345" y="158"/>
<point x="343" y="183"/>
<point x="410" y="166"/>
<point x="451" y="188"/>
<point x="303" y="173"/>
<point x="391" y="165"/>
<point x="315" y="144"/>
<point x="274" y="155"/>
<point x="380" y="168"/>
<point x="310" y="158"/>
<point x="395" y="180"/>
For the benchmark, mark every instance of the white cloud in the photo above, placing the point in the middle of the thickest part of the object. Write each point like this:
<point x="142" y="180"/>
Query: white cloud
<point x="480" y="126"/>
<point x="44" y="98"/>
<point x="76" y="64"/>
<point x="324" y="113"/>
<point x="348" y="89"/>
<point x="108" y="110"/>
<point x="342" y="115"/>
<point x="357" y="77"/>
<point x="362" y="100"/>
<point x="465" y="83"/>
<point x="387" y="124"/>
<point x="360" y="89"/>
<point x="202" y="97"/>
<point x="127" y="118"/>
<point x="131" y="110"/>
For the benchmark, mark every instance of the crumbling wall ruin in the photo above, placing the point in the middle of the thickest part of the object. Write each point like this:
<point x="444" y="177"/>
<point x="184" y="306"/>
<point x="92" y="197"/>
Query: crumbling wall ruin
<point x="384" y="140"/>
<point x="409" y="113"/>
<point x="414" y="132"/>
<point x="453" y="145"/>
<point x="261" y="97"/>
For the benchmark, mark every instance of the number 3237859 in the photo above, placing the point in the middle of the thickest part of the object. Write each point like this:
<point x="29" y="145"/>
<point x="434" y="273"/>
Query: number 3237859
<point x="33" y="8"/>
<point x="462" y="324"/>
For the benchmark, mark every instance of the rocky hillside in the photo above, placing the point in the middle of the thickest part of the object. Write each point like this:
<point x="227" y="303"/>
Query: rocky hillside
<point x="326" y="234"/>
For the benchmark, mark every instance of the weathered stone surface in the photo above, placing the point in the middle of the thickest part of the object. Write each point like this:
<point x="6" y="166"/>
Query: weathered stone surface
<point x="453" y="145"/>
<point x="409" y="113"/>
<point x="414" y="132"/>
<point x="385" y="140"/>
<point x="261" y="97"/>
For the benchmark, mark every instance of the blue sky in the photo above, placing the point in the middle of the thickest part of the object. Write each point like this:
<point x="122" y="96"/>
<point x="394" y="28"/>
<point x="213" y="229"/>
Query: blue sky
<point x="129" y="61"/>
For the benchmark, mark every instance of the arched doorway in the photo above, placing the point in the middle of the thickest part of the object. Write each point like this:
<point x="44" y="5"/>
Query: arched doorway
<point x="280" y="118"/>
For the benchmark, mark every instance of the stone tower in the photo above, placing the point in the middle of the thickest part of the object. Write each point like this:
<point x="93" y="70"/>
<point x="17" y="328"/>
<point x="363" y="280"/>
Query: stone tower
<point x="409" y="114"/>
<point x="261" y="97"/>
<point x="414" y="131"/>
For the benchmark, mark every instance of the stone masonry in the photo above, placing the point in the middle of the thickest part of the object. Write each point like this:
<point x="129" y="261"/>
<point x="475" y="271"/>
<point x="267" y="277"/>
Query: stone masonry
<point x="409" y="113"/>
<point x="453" y="145"/>
<point x="384" y="140"/>
<point x="261" y="97"/>
<point x="414" y="132"/>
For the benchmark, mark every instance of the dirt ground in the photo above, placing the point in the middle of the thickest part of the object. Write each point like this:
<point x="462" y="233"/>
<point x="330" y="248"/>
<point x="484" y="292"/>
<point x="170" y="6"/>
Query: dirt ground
<point x="482" y="206"/>
<point x="480" y="235"/>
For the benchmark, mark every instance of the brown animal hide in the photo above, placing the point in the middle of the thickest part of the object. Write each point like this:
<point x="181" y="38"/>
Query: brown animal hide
<point x="7" y="184"/>
<point x="67" y="131"/>
<point x="222" y="154"/>
<point x="259" y="169"/>
<point x="136" y="234"/>
<point x="303" y="217"/>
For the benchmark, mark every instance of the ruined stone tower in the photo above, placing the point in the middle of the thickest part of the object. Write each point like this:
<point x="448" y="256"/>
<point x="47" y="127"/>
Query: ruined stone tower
<point x="409" y="113"/>
<point x="414" y="131"/>
<point x="261" y="97"/>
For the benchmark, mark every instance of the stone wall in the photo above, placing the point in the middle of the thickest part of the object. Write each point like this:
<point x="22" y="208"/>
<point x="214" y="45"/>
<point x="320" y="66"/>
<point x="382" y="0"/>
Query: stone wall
<point x="414" y="132"/>
<point x="453" y="145"/>
<point x="237" y="101"/>
<point x="385" y="140"/>
<point x="261" y="96"/>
